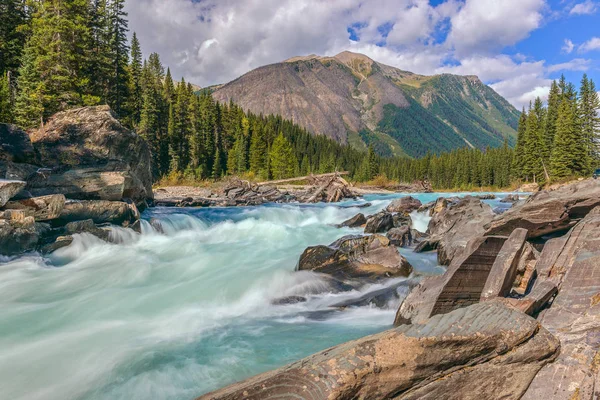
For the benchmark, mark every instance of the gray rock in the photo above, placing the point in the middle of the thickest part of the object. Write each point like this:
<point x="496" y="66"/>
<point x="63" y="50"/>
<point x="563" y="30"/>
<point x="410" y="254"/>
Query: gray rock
<point x="42" y="208"/>
<point x="354" y="222"/>
<point x="379" y="223"/>
<point x="401" y="237"/>
<point x="8" y="189"/>
<point x="356" y="258"/>
<point x="15" y="145"/>
<point x="100" y="211"/>
<point x="85" y="146"/>
<point x="404" y="205"/>
<point x="487" y="351"/>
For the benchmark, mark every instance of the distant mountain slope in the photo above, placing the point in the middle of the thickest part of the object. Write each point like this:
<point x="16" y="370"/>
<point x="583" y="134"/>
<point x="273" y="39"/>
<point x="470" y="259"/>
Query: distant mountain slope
<point x="356" y="100"/>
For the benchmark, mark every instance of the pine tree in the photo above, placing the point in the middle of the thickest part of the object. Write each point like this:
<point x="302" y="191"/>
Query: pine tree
<point x="533" y="166"/>
<point x="554" y="98"/>
<point x="258" y="154"/>
<point x="373" y="163"/>
<point x="563" y="163"/>
<point x="283" y="160"/>
<point x="135" y="84"/>
<point x="589" y="104"/>
<point x="13" y="17"/>
<point x="519" y="161"/>
<point x="118" y="82"/>
<point x="6" y="106"/>
<point x="56" y="58"/>
<point x="99" y="63"/>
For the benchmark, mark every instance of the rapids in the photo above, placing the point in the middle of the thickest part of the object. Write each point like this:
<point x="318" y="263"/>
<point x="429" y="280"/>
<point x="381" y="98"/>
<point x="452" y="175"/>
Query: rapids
<point x="174" y="314"/>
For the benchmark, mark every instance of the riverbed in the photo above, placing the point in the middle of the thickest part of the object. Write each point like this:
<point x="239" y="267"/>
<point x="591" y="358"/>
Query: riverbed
<point x="184" y="308"/>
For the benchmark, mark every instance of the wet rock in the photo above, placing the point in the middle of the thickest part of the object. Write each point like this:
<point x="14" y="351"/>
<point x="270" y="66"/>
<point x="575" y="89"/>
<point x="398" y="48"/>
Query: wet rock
<point x="401" y="237"/>
<point x="356" y="258"/>
<point x="42" y="208"/>
<point x="8" y="189"/>
<point x="380" y="298"/>
<point x="451" y="229"/>
<point x="460" y="286"/>
<point x="86" y="226"/>
<point x="404" y="205"/>
<point x="510" y="198"/>
<point x="354" y="222"/>
<point x="574" y="317"/>
<point x="379" y="223"/>
<point x="92" y="157"/>
<point x="59" y="243"/>
<point x="401" y="220"/>
<point x="100" y="211"/>
<point x="486" y="196"/>
<point x="504" y="270"/>
<point x="549" y="211"/>
<point x="288" y="300"/>
<point x="19" y="233"/>
<point x="487" y="351"/>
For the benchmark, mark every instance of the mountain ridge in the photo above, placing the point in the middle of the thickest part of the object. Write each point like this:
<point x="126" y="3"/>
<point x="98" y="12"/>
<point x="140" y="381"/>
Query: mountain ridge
<point x="356" y="100"/>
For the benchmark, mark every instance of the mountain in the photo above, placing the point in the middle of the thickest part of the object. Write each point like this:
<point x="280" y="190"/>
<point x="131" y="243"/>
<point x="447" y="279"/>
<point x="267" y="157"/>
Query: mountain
<point x="355" y="100"/>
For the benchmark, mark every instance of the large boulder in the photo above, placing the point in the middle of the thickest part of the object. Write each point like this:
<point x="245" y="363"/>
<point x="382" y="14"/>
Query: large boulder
<point x="8" y="189"/>
<point x="451" y="228"/>
<point x="15" y="145"/>
<point x="573" y="265"/>
<point x="42" y="208"/>
<point x="401" y="237"/>
<point x="405" y="205"/>
<point x="487" y="351"/>
<point x="99" y="211"/>
<point x="354" y="222"/>
<point x="92" y="156"/>
<point x="549" y="211"/>
<point x="356" y="258"/>
<point x="379" y="223"/>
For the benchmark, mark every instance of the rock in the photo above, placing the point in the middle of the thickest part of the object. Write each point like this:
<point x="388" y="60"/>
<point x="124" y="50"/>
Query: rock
<point x="354" y="222"/>
<point x="487" y="351"/>
<point x="88" y="148"/>
<point x="535" y="301"/>
<point x="504" y="270"/>
<point x="460" y="286"/>
<point x="245" y="193"/>
<point x="451" y="229"/>
<point x="8" y="189"/>
<point x="380" y="298"/>
<point x="15" y="145"/>
<point x="86" y="226"/>
<point x="549" y="211"/>
<point x="327" y="188"/>
<point x="351" y="258"/>
<point x="59" y="243"/>
<point x="18" y="233"/>
<point x="574" y="317"/>
<point x="405" y="205"/>
<point x="401" y="220"/>
<point x="100" y="211"/>
<point x="526" y="270"/>
<point x="401" y="237"/>
<point x="17" y="171"/>
<point x="379" y="223"/>
<point x="529" y="187"/>
<point x="288" y="300"/>
<point x="440" y="205"/>
<point x="489" y="196"/>
<point x="42" y="208"/>
<point x="510" y="198"/>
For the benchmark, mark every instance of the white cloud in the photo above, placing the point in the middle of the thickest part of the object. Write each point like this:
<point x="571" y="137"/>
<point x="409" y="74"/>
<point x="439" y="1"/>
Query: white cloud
<point x="215" y="41"/>
<point x="587" y="7"/>
<point x="568" y="46"/>
<point x="487" y="25"/>
<point x="590" y="45"/>
<point x="576" y="64"/>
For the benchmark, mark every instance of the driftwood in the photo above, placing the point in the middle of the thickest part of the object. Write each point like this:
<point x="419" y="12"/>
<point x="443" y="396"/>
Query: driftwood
<point x="310" y="177"/>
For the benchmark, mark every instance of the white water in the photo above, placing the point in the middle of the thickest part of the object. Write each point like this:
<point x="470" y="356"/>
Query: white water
<point x="174" y="315"/>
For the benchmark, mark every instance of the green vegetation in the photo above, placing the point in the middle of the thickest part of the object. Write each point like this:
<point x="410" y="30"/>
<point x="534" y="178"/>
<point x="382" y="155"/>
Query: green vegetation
<point x="42" y="71"/>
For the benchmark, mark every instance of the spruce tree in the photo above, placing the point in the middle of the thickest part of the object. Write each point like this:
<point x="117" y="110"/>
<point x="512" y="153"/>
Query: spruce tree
<point x="518" y="162"/>
<point x="13" y="34"/>
<point x="118" y="82"/>
<point x="6" y="106"/>
<point x="588" y="107"/>
<point x="554" y="98"/>
<point x="135" y="84"/>
<point x="563" y="163"/>
<point x="258" y="153"/>
<point x="283" y="160"/>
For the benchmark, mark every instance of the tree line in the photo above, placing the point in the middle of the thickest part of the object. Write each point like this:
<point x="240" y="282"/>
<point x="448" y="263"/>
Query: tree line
<point x="58" y="54"/>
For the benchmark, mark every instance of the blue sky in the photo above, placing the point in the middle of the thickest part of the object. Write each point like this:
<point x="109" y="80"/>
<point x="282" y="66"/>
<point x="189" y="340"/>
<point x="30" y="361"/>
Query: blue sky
<point x="516" y="46"/>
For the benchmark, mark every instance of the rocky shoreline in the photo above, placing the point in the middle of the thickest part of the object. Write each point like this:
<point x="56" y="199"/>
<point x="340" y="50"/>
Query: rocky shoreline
<point x="515" y="316"/>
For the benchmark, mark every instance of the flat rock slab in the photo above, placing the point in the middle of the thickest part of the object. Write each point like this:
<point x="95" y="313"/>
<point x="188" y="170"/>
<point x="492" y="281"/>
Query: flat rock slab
<point x="42" y="208"/>
<point x="486" y="351"/>
<point x="574" y="317"/>
<point x="99" y="211"/>
<point x="549" y="211"/>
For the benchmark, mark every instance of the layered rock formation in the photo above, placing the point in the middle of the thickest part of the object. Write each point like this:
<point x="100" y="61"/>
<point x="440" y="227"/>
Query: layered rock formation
<point x="486" y="351"/>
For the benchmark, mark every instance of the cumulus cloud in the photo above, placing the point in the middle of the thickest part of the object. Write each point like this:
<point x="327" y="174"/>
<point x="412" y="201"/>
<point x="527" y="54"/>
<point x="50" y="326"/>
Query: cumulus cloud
<point x="590" y="45"/>
<point x="587" y="7"/>
<point x="568" y="46"/>
<point x="488" y="25"/>
<point x="215" y="41"/>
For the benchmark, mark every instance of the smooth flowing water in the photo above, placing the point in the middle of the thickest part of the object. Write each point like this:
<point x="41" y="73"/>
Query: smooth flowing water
<point x="174" y="314"/>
